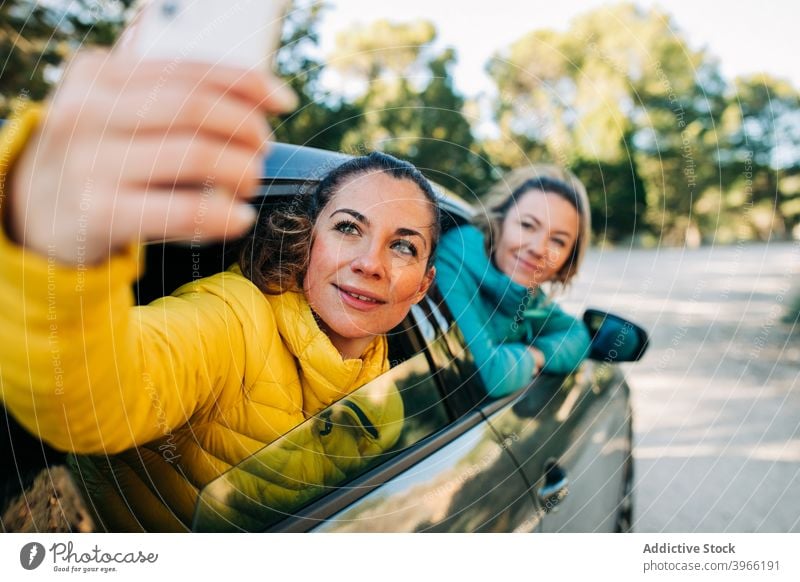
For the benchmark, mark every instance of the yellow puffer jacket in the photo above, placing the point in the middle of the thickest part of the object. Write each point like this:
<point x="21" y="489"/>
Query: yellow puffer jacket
<point x="338" y="444"/>
<point x="197" y="381"/>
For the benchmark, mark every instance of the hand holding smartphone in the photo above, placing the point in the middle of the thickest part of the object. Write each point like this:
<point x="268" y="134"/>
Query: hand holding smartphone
<point x="159" y="139"/>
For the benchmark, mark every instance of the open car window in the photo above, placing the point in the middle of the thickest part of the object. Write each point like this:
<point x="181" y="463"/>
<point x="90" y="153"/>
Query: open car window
<point x="355" y="434"/>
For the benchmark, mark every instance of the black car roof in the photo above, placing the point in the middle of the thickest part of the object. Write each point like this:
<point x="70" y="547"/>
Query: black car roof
<point x="301" y="163"/>
<point x="292" y="162"/>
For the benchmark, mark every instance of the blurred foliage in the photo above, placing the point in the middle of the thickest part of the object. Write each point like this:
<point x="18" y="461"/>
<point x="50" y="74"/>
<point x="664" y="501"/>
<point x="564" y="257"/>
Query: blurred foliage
<point x="35" y="37"/>
<point x="321" y="119"/>
<point x="670" y="151"/>
<point x="407" y="103"/>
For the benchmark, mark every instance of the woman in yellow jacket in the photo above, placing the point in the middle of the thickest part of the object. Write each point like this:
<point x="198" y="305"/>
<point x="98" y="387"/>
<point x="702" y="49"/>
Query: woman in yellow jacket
<point x="169" y="396"/>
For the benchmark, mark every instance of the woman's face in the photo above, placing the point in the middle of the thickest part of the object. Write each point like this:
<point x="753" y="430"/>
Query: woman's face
<point x="369" y="256"/>
<point x="536" y="238"/>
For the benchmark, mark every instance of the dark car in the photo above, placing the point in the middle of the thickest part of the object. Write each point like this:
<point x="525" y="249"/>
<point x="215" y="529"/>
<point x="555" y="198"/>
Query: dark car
<point x="555" y="456"/>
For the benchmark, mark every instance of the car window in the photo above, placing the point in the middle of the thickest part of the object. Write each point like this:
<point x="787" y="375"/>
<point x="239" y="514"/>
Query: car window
<point x="354" y="435"/>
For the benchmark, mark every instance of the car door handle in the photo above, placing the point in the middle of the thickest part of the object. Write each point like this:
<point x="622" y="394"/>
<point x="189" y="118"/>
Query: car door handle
<point x="555" y="488"/>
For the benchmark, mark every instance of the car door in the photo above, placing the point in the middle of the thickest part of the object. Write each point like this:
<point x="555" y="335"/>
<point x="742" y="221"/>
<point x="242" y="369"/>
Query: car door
<point x="466" y="482"/>
<point x="571" y="438"/>
<point x="462" y="479"/>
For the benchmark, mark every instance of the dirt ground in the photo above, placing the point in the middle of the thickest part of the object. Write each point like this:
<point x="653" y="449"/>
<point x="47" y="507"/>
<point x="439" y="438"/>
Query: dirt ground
<point x="717" y="397"/>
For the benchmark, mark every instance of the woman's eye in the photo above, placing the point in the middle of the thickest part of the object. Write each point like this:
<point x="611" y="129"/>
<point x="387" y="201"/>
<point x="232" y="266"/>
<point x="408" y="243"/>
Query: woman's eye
<point x="559" y="243"/>
<point x="527" y="225"/>
<point x="346" y="227"/>
<point x="405" y="247"/>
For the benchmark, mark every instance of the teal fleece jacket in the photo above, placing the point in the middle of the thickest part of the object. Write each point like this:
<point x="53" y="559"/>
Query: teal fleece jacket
<point x="499" y="317"/>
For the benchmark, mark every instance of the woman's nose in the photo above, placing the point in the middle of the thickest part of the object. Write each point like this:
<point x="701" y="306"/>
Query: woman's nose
<point x="369" y="263"/>
<point x="537" y="245"/>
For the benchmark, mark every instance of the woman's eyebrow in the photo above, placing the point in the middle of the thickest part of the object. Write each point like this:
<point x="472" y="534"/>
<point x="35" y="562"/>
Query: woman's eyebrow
<point x="411" y="232"/>
<point x="355" y="214"/>
<point x="365" y="221"/>
<point x="533" y="218"/>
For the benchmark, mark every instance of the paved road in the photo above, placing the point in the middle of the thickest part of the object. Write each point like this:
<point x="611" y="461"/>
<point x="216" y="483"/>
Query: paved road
<point x="717" y="397"/>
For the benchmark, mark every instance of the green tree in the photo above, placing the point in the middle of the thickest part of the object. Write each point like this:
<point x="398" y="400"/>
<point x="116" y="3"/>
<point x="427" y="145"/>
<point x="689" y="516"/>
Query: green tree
<point x="36" y="37"/>
<point x="409" y="106"/>
<point x="321" y="120"/>
<point x="622" y="92"/>
<point x="761" y="126"/>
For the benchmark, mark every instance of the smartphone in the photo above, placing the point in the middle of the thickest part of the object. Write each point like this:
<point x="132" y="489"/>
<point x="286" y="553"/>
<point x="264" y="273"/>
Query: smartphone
<point x="244" y="33"/>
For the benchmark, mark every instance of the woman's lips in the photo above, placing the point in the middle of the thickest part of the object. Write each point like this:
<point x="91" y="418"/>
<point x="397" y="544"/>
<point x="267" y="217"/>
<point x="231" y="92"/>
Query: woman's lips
<point x="527" y="265"/>
<point x="358" y="299"/>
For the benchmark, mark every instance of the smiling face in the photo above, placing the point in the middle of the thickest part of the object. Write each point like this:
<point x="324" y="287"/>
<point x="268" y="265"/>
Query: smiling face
<point x="369" y="256"/>
<point x="536" y="238"/>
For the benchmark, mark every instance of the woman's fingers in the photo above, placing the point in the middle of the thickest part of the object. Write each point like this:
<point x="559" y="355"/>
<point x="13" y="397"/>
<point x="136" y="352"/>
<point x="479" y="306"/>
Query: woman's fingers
<point x="155" y="95"/>
<point x="212" y="113"/>
<point x="280" y="98"/>
<point x="538" y="358"/>
<point x="180" y="214"/>
<point x="187" y="159"/>
<point x="265" y="92"/>
<point x="145" y="150"/>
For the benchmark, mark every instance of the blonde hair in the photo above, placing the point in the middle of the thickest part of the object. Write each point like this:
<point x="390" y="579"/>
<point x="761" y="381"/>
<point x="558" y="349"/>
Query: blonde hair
<point x="544" y="178"/>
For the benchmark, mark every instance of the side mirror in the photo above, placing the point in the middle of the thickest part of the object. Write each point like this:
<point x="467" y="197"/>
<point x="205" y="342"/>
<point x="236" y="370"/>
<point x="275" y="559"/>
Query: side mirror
<point x="614" y="339"/>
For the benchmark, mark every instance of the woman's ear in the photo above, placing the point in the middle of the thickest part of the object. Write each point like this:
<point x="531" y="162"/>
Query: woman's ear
<point x="426" y="283"/>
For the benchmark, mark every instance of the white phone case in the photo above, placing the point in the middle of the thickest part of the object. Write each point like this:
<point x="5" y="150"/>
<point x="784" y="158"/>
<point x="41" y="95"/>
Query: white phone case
<point x="244" y="33"/>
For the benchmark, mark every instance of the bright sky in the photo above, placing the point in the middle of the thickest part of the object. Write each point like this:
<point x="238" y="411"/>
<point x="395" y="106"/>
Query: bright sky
<point x="747" y="37"/>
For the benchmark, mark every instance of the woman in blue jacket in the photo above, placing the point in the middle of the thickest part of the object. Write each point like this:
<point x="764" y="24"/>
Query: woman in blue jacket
<point x="498" y="277"/>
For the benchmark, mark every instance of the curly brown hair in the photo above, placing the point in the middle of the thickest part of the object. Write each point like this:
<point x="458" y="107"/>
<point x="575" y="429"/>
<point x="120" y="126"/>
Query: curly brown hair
<point x="275" y="256"/>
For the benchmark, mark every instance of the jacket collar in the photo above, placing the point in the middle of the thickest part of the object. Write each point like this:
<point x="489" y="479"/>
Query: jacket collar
<point x="495" y="285"/>
<point x="325" y="376"/>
